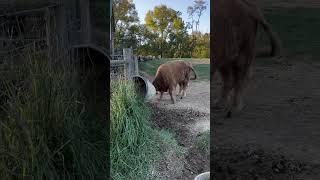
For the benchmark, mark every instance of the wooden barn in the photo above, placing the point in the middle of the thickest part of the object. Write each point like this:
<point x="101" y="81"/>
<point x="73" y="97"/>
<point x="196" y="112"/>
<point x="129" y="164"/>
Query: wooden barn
<point x="63" y="24"/>
<point x="79" y="29"/>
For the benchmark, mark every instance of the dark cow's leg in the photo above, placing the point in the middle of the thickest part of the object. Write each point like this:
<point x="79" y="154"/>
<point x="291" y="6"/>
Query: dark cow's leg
<point x="239" y="76"/>
<point x="180" y="88"/>
<point x="226" y="75"/>
<point x="186" y="85"/>
<point x="183" y="90"/>
<point x="172" y="93"/>
<point x="242" y="68"/>
<point x="161" y="94"/>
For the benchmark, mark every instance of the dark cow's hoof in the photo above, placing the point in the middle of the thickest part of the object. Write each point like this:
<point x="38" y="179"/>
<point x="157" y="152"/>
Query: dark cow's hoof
<point x="229" y="114"/>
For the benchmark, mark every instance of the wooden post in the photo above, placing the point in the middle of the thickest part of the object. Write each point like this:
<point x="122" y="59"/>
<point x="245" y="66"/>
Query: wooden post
<point x="127" y="56"/>
<point x="48" y="32"/>
<point x="136" y="67"/>
<point x="110" y="24"/>
<point x="85" y="21"/>
<point x="61" y="33"/>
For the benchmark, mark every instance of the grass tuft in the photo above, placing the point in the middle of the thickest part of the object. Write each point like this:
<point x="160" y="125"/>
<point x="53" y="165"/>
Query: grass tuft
<point x="131" y="136"/>
<point x="135" y="145"/>
<point x="43" y="129"/>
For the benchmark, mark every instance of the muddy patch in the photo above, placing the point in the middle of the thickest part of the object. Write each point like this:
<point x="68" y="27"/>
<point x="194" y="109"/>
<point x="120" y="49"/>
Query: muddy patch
<point x="254" y="163"/>
<point x="178" y="122"/>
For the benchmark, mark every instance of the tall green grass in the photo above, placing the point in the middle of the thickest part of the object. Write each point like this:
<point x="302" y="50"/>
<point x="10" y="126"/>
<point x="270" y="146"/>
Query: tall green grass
<point x="43" y="129"/>
<point x="131" y="135"/>
<point x="135" y="145"/>
<point x="203" y="142"/>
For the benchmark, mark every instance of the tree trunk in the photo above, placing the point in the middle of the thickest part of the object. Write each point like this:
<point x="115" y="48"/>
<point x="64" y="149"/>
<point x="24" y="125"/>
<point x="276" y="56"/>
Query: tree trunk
<point x="161" y="45"/>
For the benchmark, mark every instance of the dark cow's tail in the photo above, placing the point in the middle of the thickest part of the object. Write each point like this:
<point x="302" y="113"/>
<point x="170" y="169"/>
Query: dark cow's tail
<point x="257" y="14"/>
<point x="274" y="40"/>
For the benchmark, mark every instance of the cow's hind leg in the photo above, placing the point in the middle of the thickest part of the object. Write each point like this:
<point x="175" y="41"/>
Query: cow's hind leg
<point x="172" y="93"/>
<point x="161" y="95"/>
<point x="185" y="89"/>
<point x="239" y="81"/>
<point x="226" y="75"/>
<point x="180" y="89"/>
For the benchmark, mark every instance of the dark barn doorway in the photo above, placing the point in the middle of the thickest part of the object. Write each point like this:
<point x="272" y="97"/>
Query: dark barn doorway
<point x="94" y="66"/>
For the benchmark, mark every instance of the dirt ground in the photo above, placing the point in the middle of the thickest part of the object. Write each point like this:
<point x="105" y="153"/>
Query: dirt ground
<point x="186" y="119"/>
<point x="277" y="135"/>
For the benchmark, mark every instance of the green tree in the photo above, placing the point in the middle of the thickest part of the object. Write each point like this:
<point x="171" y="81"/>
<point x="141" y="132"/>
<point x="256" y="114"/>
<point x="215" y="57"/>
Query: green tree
<point x="179" y="44"/>
<point x="147" y="42"/>
<point x="163" y="21"/>
<point x="125" y="20"/>
<point x="202" y="46"/>
<point x="195" y="12"/>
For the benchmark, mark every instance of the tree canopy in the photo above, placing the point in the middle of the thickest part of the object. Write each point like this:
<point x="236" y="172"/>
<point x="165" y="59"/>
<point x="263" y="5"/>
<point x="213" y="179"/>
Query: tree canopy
<point x="163" y="33"/>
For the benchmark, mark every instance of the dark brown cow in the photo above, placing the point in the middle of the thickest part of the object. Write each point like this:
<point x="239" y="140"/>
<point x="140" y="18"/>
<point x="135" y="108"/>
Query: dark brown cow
<point x="233" y="48"/>
<point x="169" y="75"/>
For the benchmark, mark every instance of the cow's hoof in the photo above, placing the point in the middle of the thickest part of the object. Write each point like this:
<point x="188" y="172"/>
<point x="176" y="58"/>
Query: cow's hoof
<point x="229" y="114"/>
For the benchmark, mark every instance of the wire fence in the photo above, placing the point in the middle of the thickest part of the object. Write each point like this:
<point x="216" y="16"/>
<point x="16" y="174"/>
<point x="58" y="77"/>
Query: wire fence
<point x="124" y="65"/>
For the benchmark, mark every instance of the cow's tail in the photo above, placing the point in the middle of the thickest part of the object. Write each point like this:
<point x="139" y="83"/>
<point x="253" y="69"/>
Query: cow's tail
<point x="274" y="40"/>
<point x="256" y="13"/>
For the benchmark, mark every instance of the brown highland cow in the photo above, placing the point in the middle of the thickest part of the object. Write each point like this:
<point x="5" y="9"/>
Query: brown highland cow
<point x="169" y="75"/>
<point x="233" y="41"/>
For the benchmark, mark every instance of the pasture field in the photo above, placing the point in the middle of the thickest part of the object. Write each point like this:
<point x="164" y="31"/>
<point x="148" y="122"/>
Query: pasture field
<point x="276" y="136"/>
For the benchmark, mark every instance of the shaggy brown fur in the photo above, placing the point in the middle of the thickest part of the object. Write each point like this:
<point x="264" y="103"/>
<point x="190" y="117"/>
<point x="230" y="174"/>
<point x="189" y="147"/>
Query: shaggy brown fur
<point x="169" y="75"/>
<point x="233" y="36"/>
<point x="184" y="83"/>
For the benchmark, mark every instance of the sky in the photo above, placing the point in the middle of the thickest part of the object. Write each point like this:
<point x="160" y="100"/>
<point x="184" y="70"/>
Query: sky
<point x="142" y="7"/>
